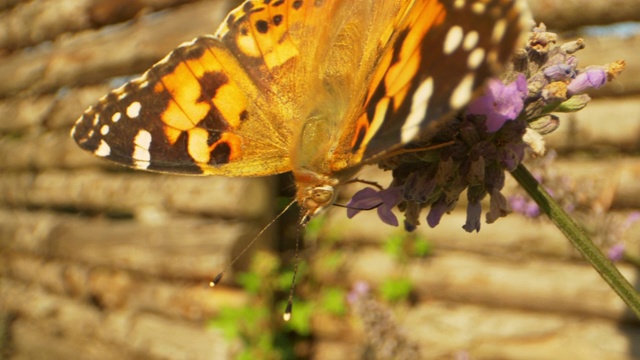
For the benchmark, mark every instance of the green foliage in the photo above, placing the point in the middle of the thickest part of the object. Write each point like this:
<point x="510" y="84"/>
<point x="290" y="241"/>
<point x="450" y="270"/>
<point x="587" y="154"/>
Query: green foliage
<point x="395" y="290"/>
<point x="403" y="246"/>
<point x="262" y="334"/>
<point x="250" y="281"/>
<point x="300" y="322"/>
<point x="422" y="247"/>
<point x="333" y="301"/>
<point x="320" y="289"/>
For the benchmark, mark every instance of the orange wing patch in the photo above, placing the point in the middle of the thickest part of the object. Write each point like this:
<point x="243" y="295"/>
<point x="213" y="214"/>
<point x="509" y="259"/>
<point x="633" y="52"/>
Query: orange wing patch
<point x="193" y="112"/>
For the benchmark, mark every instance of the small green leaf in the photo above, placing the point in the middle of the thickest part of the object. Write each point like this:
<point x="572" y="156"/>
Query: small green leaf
<point x="421" y="247"/>
<point x="301" y="317"/>
<point x="333" y="301"/>
<point x="396" y="289"/>
<point x="394" y="246"/>
<point x="250" y="281"/>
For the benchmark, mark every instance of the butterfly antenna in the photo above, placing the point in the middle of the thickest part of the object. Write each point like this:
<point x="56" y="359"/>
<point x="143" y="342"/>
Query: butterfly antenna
<point x="301" y="224"/>
<point x="218" y="277"/>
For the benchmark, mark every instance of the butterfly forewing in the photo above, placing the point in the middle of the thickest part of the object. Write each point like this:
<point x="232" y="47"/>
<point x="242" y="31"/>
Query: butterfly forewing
<point x="195" y="112"/>
<point x="442" y="54"/>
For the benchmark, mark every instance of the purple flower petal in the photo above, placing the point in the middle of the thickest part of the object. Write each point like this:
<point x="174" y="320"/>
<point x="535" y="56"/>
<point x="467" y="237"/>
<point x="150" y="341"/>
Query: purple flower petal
<point x="532" y="209"/>
<point x="438" y="209"/>
<point x="359" y="290"/>
<point x="474" y="212"/>
<point x="560" y="72"/>
<point x="498" y="207"/>
<point x="593" y="77"/>
<point x="616" y="252"/>
<point x="631" y="219"/>
<point x="500" y="103"/>
<point x="384" y="200"/>
<point x="364" y="199"/>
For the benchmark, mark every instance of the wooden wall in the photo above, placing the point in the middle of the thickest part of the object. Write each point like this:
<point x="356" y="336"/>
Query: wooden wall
<point x="100" y="262"/>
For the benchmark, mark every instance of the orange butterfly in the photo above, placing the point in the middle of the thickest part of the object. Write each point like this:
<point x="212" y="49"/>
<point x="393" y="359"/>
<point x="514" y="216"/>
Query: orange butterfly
<point x="316" y="87"/>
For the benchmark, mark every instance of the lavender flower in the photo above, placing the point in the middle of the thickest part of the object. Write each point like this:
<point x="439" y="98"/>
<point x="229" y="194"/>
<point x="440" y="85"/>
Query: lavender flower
<point x="560" y="72"/>
<point x="501" y="102"/>
<point x="383" y="200"/>
<point x="616" y="252"/>
<point x="473" y="150"/>
<point x="524" y="205"/>
<point x="359" y="290"/>
<point x="592" y="77"/>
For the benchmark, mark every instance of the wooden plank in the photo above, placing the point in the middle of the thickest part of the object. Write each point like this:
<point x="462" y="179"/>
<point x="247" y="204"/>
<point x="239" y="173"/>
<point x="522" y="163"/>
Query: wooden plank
<point x="114" y="289"/>
<point x="31" y="342"/>
<point x="604" y="125"/>
<point x="173" y="248"/>
<point x="174" y="340"/>
<point x="46" y="150"/>
<point x="445" y="330"/>
<point x="132" y="332"/>
<point x="529" y="284"/>
<point x="8" y="4"/>
<point x="27" y="114"/>
<point x="131" y="48"/>
<point x="139" y="194"/>
<point x="568" y="15"/>
<point x="22" y="114"/>
<point x="49" y="19"/>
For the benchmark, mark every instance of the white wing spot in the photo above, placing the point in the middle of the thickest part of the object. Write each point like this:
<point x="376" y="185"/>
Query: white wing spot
<point x="122" y="95"/>
<point x="104" y="130"/>
<point x="141" y="154"/>
<point x="462" y="94"/>
<point x="116" y="117"/>
<point x="458" y="4"/>
<point x="96" y="119"/>
<point x="470" y="40"/>
<point x="478" y="8"/>
<point x="419" y="104"/>
<point x="453" y="39"/>
<point x="103" y="150"/>
<point x="475" y="59"/>
<point x="133" y="110"/>
<point x="498" y="31"/>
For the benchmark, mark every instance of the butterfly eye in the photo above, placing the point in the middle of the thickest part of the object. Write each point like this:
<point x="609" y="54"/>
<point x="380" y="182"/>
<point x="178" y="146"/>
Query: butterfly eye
<point x="322" y="196"/>
<point x="318" y="198"/>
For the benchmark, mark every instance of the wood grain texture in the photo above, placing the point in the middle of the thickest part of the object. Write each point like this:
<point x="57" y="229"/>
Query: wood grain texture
<point x="100" y="262"/>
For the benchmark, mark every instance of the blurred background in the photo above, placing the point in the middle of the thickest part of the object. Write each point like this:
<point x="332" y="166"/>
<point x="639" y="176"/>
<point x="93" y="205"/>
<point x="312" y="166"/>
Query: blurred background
<point x="101" y="262"/>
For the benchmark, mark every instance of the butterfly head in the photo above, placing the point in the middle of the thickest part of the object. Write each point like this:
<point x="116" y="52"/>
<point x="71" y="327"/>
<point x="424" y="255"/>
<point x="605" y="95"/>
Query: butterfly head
<point x="315" y="193"/>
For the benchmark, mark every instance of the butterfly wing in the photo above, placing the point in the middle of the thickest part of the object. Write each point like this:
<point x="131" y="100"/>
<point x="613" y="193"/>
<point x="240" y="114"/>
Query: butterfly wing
<point x="219" y="105"/>
<point x="438" y="57"/>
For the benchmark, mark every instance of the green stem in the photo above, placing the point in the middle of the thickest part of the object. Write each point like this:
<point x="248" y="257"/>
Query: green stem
<point x="579" y="239"/>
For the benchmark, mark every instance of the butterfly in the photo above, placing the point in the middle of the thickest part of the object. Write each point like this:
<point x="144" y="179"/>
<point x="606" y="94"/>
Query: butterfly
<point x="315" y="87"/>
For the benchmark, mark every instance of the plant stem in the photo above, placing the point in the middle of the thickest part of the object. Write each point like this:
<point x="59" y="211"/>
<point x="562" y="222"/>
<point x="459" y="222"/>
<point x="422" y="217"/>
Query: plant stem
<point x="579" y="239"/>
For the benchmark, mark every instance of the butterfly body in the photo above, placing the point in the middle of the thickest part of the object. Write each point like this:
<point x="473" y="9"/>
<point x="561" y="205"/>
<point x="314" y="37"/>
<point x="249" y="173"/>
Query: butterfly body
<point x="315" y="87"/>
